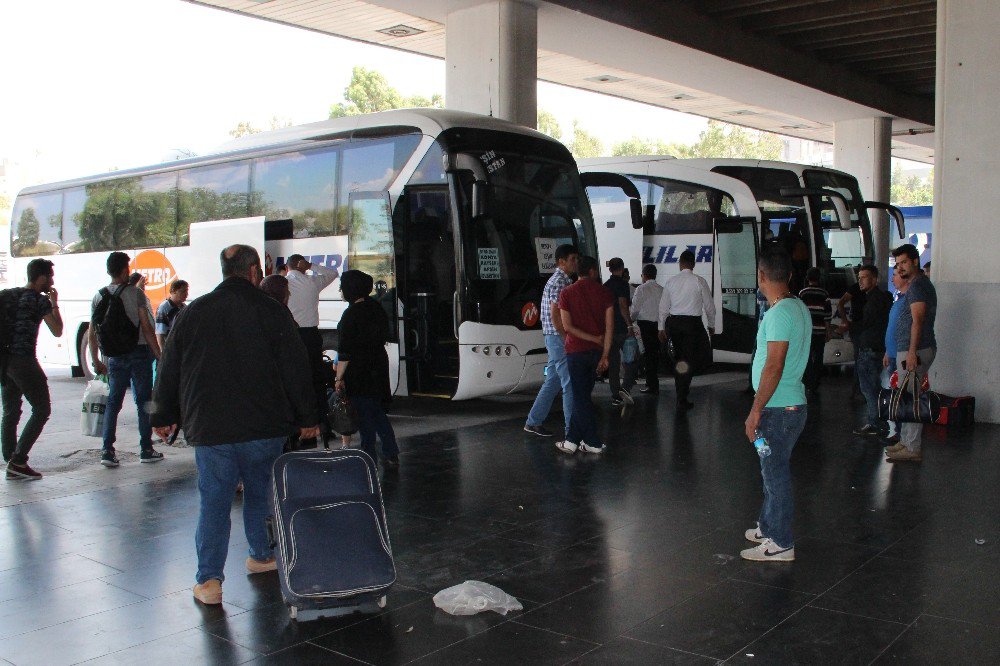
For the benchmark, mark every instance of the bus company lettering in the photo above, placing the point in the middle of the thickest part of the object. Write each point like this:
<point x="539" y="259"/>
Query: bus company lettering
<point x="333" y="261"/>
<point x="671" y="254"/>
<point x="159" y="273"/>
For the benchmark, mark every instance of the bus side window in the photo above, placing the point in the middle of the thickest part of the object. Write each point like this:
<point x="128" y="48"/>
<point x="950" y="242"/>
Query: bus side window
<point x="302" y="186"/>
<point x="88" y="221"/>
<point x="217" y="192"/>
<point x="36" y="225"/>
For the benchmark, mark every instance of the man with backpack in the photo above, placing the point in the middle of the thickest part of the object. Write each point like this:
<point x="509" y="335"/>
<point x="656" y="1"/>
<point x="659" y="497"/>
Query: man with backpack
<point x="121" y="325"/>
<point x="22" y="310"/>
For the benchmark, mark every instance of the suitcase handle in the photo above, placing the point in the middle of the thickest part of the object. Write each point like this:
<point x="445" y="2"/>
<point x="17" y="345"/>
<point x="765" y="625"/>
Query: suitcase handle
<point x="269" y="524"/>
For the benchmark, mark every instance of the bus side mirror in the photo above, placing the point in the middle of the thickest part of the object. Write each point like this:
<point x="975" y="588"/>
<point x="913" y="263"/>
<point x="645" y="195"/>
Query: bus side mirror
<point x="480" y="199"/>
<point x="616" y="180"/>
<point x="894" y="211"/>
<point x="729" y="224"/>
<point x="635" y="208"/>
<point x="838" y="200"/>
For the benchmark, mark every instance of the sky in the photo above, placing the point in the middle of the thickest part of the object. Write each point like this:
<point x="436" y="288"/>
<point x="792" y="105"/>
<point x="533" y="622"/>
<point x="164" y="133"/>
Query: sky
<point x="109" y="84"/>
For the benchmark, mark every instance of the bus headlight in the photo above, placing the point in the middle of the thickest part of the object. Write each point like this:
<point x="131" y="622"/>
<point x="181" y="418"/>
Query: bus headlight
<point x="486" y="350"/>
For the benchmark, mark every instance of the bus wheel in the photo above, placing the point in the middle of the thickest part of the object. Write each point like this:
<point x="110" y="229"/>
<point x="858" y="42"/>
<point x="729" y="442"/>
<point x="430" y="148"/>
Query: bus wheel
<point x="83" y="345"/>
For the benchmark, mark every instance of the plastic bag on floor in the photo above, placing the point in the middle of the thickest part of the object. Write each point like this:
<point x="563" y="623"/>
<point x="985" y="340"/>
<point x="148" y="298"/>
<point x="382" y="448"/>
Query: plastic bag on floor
<point x="473" y="597"/>
<point x="95" y="400"/>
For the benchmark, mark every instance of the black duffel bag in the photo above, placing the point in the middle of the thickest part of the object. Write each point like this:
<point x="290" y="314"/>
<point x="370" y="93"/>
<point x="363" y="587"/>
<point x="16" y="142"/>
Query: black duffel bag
<point x="343" y="417"/>
<point x="908" y="404"/>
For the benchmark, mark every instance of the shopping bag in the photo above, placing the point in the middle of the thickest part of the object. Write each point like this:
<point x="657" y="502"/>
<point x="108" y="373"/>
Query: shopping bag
<point x="630" y="350"/>
<point x="342" y="415"/>
<point x="95" y="400"/>
<point x="908" y="403"/>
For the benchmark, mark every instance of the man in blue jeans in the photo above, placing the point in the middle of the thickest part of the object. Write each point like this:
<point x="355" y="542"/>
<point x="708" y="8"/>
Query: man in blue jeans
<point x="133" y="368"/>
<point x="236" y="414"/>
<point x="556" y="372"/>
<point x="779" y="409"/>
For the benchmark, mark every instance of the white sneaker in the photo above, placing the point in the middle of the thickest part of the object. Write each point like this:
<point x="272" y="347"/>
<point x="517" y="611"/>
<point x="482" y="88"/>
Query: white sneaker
<point x="626" y="397"/>
<point x="566" y="446"/>
<point x="587" y="448"/>
<point x="768" y="551"/>
<point x="753" y="534"/>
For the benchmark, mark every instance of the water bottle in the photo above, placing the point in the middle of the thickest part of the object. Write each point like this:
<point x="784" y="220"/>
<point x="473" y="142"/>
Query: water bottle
<point x="760" y="443"/>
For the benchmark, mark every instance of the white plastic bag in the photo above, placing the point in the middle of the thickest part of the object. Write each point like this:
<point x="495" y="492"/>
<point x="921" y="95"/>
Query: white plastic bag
<point x="95" y="400"/>
<point x="473" y="597"/>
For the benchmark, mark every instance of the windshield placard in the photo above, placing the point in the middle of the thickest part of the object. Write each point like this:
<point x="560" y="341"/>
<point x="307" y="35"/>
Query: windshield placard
<point x="489" y="263"/>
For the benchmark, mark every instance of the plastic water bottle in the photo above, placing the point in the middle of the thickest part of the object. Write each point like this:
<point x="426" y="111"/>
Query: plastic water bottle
<point x="760" y="443"/>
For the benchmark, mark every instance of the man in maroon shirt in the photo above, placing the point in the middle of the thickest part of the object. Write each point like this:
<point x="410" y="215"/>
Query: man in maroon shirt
<point x="587" y="315"/>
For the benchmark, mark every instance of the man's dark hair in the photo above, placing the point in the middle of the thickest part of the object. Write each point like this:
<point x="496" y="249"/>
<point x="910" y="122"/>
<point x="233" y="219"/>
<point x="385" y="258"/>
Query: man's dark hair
<point x="177" y="285"/>
<point x="275" y="286"/>
<point x="813" y="275"/>
<point x="927" y="265"/>
<point x="687" y="259"/>
<point x="294" y="259"/>
<point x="355" y="284"/>
<point x="616" y="264"/>
<point x="39" y="267"/>
<point x="586" y="265"/>
<point x="871" y="269"/>
<point x="649" y="270"/>
<point x="238" y="260"/>
<point x="565" y="250"/>
<point x="907" y="249"/>
<point x="775" y="264"/>
<point x="117" y="262"/>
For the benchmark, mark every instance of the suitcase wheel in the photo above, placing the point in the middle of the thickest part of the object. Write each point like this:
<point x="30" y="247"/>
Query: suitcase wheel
<point x="381" y="602"/>
<point x="293" y="612"/>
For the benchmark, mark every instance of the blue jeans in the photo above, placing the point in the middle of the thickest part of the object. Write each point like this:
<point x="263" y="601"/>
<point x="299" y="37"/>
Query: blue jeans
<point x="868" y="367"/>
<point x="782" y="427"/>
<point x="135" y="368"/>
<point x="582" y="374"/>
<point x="372" y="420"/>
<point x="220" y="469"/>
<point x="556" y="378"/>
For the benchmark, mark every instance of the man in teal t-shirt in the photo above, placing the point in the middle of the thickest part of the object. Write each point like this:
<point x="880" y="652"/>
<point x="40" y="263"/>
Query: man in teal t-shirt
<point x="779" y="411"/>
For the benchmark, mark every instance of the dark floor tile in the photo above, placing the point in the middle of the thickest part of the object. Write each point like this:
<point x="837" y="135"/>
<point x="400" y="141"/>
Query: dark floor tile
<point x="407" y="633"/>
<point x="193" y="646"/>
<point x="974" y="595"/>
<point x="270" y="629"/>
<point x="509" y="642"/>
<point x="476" y="560"/>
<point x="933" y="640"/>
<point x="933" y="542"/>
<point x="54" y="606"/>
<point x="814" y="636"/>
<point x="628" y="651"/>
<point x="306" y="654"/>
<point x="721" y="620"/>
<point x="36" y="574"/>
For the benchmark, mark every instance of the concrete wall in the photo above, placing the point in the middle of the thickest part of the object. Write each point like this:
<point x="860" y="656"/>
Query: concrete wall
<point x="966" y="248"/>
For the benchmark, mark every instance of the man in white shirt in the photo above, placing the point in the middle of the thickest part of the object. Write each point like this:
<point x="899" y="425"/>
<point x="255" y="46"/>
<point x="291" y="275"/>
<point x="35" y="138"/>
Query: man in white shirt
<point x="303" y="301"/>
<point x="645" y="310"/>
<point x="684" y="298"/>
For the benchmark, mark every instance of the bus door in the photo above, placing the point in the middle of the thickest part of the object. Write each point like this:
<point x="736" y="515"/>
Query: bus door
<point x="428" y="279"/>
<point x="735" y="254"/>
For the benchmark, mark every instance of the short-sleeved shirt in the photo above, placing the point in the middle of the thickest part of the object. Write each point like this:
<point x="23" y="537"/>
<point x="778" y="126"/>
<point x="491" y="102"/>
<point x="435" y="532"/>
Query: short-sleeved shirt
<point x="890" y="329"/>
<point x="165" y="315"/>
<point x="619" y="289"/>
<point x="132" y="298"/>
<point x="586" y="301"/>
<point x="920" y="290"/>
<point x="25" y="310"/>
<point x="553" y="288"/>
<point x="788" y="321"/>
<point x="817" y="299"/>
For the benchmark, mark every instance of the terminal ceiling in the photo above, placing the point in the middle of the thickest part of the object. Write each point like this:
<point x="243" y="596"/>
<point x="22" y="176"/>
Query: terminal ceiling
<point x="794" y="67"/>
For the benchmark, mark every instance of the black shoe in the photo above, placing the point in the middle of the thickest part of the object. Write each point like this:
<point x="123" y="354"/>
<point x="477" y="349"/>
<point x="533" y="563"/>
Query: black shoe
<point x="616" y="402"/>
<point x="869" y="430"/>
<point x="23" y="472"/>
<point x="539" y="430"/>
<point x="650" y="390"/>
<point x="150" y="456"/>
<point x="109" y="459"/>
<point x="392" y="461"/>
<point x="684" y="405"/>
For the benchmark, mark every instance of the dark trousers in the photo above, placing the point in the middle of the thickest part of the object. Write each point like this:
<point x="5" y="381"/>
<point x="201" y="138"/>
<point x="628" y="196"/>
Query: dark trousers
<point x="692" y="351"/>
<point x="814" y="368"/>
<point x="313" y="341"/>
<point x="651" y="353"/>
<point x="372" y="420"/>
<point x="24" y="379"/>
<point x="582" y="375"/>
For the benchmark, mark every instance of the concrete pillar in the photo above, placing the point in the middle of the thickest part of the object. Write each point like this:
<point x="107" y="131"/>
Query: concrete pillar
<point x="491" y="59"/>
<point x="965" y="252"/>
<point x="862" y="148"/>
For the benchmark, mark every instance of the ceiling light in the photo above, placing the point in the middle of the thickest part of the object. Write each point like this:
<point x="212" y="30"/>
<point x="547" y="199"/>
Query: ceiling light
<point x="604" y="78"/>
<point x="400" y="31"/>
<point x="742" y="112"/>
<point x="682" y="96"/>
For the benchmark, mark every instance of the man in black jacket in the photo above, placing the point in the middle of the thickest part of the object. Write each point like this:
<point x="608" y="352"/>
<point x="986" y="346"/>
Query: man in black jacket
<point x="871" y="348"/>
<point x="235" y="372"/>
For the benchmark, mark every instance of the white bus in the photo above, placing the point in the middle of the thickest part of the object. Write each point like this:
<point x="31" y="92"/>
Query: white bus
<point x="726" y="210"/>
<point x="455" y="215"/>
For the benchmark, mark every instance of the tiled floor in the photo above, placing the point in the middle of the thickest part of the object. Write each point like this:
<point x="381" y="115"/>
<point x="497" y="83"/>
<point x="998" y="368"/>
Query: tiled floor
<point x="628" y="558"/>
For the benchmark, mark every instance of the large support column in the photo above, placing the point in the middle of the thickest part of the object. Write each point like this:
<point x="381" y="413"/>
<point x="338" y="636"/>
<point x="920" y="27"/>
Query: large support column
<point x="491" y="57"/>
<point x="862" y="148"/>
<point x="965" y="264"/>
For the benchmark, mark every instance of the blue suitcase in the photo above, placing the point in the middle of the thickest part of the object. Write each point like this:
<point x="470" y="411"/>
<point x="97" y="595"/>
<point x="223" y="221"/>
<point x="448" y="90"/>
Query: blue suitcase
<point x="329" y="532"/>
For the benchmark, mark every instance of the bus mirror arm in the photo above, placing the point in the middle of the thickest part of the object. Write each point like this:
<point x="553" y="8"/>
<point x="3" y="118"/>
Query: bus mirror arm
<point x="616" y="180"/>
<point x="480" y="187"/>
<point x="839" y="201"/>
<point x="894" y="211"/>
<point x="730" y="224"/>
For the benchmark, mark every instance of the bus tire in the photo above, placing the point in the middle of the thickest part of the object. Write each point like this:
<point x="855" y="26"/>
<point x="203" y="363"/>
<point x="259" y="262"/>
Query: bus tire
<point x="83" y="352"/>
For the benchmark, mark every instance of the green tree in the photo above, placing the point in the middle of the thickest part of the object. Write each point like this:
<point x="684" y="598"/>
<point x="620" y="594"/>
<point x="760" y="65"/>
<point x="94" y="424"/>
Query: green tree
<point x="721" y="139"/>
<point x="584" y="143"/>
<point x="4" y="202"/>
<point x="910" y="190"/>
<point x="27" y="231"/>
<point x="369" y="91"/>
<point x="640" y="146"/>
<point x="547" y="124"/>
<point x="245" y="127"/>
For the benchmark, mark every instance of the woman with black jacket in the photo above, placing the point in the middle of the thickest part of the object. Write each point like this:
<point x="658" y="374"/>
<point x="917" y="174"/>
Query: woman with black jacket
<point x="363" y="365"/>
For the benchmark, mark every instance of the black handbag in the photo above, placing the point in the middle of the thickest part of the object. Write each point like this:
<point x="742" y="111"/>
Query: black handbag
<point x="908" y="404"/>
<point x="343" y="416"/>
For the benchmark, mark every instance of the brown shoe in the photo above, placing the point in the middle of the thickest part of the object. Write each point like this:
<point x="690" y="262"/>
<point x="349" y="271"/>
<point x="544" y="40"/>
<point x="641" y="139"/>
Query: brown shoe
<point x="261" y="566"/>
<point x="209" y="592"/>
<point x="895" y="448"/>
<point x="905" y="456"/>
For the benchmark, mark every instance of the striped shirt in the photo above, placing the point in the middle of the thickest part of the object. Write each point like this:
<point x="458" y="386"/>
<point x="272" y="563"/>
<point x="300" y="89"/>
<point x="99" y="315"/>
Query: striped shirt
<point x="550" y="295"/>
<point x="817" y="299"/>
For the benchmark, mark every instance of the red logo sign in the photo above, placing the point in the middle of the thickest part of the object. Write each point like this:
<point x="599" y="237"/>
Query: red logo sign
<point x="530" y="314"/>
<point x="159" y="273"/>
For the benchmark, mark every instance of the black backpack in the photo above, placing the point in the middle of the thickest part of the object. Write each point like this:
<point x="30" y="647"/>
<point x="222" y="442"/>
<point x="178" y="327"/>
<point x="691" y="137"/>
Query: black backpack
<point x="8" y="312"/>
<point x="116" y="334"/>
